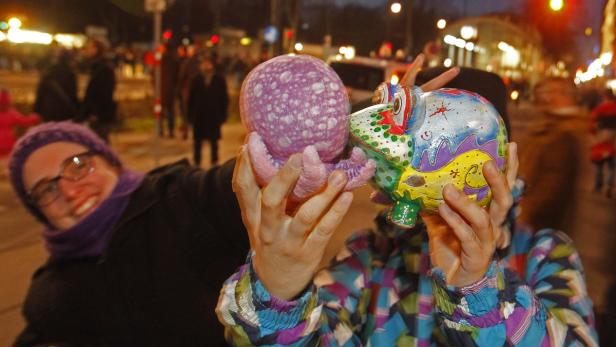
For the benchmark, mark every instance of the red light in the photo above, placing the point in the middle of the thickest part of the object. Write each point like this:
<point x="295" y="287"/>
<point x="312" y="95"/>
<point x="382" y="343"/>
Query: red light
<point x="215" y="39"/>
<point x="167" y="35"/>
<point x="389" y="45"/>
<point x="289" y="34"/>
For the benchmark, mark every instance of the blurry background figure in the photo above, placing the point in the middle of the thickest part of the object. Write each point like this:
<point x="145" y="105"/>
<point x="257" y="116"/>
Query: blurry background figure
<point x="207" y="108"/>
<point x="189" y="69"/>
<point x="169" y="78"/>
<point x="98" y="108"/>
<point x="9" y="119"/>
<point x="56" y="93"/>
<point x="603" y="149"/>
<point x="550" y="167"/>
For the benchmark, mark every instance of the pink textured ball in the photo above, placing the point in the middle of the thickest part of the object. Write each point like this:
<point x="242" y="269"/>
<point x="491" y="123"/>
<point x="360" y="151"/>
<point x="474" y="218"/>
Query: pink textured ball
<point x="293" y="102"/>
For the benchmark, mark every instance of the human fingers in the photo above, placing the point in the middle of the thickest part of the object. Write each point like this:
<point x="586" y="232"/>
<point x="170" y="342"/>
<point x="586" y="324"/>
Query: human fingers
<point x="440" y="80"/>
<point x="513" y="164"/>
<point x="411" y="73"/>
<point x="247" y="191"/>
<point x="330" y="221"/>
<point x="310" y="212"/>
<point x="274" y="195"/>
<point x="468" y="238"/>
<point x="472" y="215"/>
<point x="501" y="194"/>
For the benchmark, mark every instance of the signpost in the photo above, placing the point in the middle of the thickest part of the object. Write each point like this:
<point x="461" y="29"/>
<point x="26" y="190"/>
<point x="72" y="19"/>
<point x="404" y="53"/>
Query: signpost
<point x="157" y="7"/>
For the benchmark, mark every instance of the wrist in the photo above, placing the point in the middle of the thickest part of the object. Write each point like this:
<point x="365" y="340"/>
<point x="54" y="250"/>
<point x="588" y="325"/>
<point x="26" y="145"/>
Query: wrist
<point x="281" y="283"/>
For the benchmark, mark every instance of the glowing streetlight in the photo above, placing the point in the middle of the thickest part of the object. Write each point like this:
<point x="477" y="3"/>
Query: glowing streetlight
<point x="468" y="32"/>
<point x="441" y="24"/>
<point x="14" y="23"/>
<point x="396" y="7"/>
<point x="556" y="5"/>
<point x="299" y="47"/>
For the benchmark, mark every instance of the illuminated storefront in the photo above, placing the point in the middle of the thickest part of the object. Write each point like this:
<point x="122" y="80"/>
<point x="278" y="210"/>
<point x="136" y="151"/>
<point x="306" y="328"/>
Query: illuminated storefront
<point x="494" y="44"/>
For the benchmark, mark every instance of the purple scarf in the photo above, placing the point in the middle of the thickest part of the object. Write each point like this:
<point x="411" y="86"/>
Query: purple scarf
<point x="89" y="238"/>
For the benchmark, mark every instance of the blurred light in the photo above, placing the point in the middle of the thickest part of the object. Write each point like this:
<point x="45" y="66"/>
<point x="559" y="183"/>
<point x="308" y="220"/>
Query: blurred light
<point x="29" y="36"/>
<point x="338" y="57"/>
<point x="288" y="34"/>
<point x="606" y="58"/>
<point x="449" y="39"/>
<point x="14" y="23"/>
<point x="588" y="31"/>
<point x="447" y="62"/>
<point x="396" y="7"/>
<point x="468" y="32"/>
<point x="577" y="80"/>
<point x="489" y="68"/>
<point x="70" y="40"/>
<point x="2" y="36"/>
<point x="185" y="41"/>
<point x="342" y="49"/>
<point x="298" y="46"/>
<point x="167" y="35"/>
<point x="215" y="38"/>
<point x="611" y="84"/>
<point x="470" y="46"/>
<point x="441" y="24"/>
<point x="4" y="25"/>
<point x="460" y="43"/>
<point x="504" y="46"/>
<point x="394" y="79"/>
<point x="245" y="41"/>
<point x="556" y="5"/>
<point x="349" y="53"/>
<point x="560" y="65"/>
<point x="515" y="95"/>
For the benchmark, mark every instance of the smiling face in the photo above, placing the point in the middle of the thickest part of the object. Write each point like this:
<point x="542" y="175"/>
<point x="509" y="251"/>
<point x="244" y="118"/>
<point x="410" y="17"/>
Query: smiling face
<point x="77" y="199"/>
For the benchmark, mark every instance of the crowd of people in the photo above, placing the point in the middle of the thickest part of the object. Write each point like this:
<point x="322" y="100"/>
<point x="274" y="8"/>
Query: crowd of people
<point x="160" y="258"/>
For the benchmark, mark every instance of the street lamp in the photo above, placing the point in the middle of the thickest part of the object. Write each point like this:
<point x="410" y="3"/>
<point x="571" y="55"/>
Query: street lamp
<point x="556" y="5"/>
<point x="14" y="23"/>
<point x="441" y="24"/>
<point x="396" y="7"/>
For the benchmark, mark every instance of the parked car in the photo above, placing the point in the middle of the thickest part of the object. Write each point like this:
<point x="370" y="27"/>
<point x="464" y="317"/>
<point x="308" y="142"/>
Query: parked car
<point x="362" y="75"/>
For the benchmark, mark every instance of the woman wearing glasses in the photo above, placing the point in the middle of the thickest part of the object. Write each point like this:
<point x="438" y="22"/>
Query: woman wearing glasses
<point x="134" y="259"/>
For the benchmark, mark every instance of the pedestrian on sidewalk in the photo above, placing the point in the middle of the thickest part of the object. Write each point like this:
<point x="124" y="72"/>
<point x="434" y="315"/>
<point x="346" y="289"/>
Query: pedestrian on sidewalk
<point x="208" y="102"/>
<point x="98" y="108"/>
<point x="603" y="147"/>
<point x="134" y="259"/>
<point x="466" y="276"/>
<point x="9" y="120"/>
<point x="551" y="167"/>
<point x="56" y="93"/>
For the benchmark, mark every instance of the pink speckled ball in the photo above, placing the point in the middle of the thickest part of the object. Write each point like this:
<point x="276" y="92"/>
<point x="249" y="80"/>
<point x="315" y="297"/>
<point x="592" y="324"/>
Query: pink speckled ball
<point x="296" y="101"/>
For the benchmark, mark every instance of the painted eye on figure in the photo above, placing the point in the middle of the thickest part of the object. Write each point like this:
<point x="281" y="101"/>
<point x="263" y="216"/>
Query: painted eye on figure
<point x="401" y="105"/>
<point x="381" y="94"/>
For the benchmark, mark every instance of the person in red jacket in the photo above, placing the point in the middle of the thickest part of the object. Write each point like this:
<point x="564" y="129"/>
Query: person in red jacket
<point x="9" y="118"/>
<point x="603" y="148"/>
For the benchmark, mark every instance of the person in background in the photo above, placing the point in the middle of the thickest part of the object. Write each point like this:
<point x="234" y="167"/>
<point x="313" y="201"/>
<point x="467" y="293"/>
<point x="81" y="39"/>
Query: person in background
<point x="169" y="78"/>
<point x="466" y="276"/>
<point x="56" y="93"/>
<point x="551" y="168"/>
<point x="208" y="101"/>
<point x="9" y="119"/>
<point x="98" y="107"/>
<point x="603" y="147"/>
<point x="189" y="69"/>
<point x="134" y="259"/>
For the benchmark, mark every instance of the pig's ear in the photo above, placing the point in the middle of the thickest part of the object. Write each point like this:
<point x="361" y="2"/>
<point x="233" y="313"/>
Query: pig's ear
<point x="260" y="158"/>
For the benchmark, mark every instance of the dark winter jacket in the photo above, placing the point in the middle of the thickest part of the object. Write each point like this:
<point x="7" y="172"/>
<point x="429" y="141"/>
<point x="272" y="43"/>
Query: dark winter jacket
<point x="158" y="282"/>
<point x="207" y="106"/>
<point x="56" y="94"/>
<point x="98" y="100"/>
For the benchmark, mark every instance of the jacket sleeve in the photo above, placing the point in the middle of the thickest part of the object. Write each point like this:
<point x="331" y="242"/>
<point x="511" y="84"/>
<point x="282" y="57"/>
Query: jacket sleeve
<point x="550" y="307"/>
<point x="331" y="312"/>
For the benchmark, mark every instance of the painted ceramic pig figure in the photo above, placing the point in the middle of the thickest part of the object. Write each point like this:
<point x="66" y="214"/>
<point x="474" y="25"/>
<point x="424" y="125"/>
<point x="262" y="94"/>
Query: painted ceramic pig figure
<point x="422" y="141"/>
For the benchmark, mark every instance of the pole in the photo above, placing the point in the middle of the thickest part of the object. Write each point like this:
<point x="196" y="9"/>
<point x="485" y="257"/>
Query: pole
<point x="275" y="47"/>
<point x="157" y="82"/>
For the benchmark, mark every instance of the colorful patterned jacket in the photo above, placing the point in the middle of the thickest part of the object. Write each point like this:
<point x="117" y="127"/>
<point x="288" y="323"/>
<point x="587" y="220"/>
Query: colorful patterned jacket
<point x="380" y="291"/>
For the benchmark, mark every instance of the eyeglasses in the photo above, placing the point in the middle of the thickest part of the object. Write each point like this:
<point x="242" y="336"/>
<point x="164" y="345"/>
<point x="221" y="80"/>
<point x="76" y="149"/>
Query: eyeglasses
<point x="74" y="168"/>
